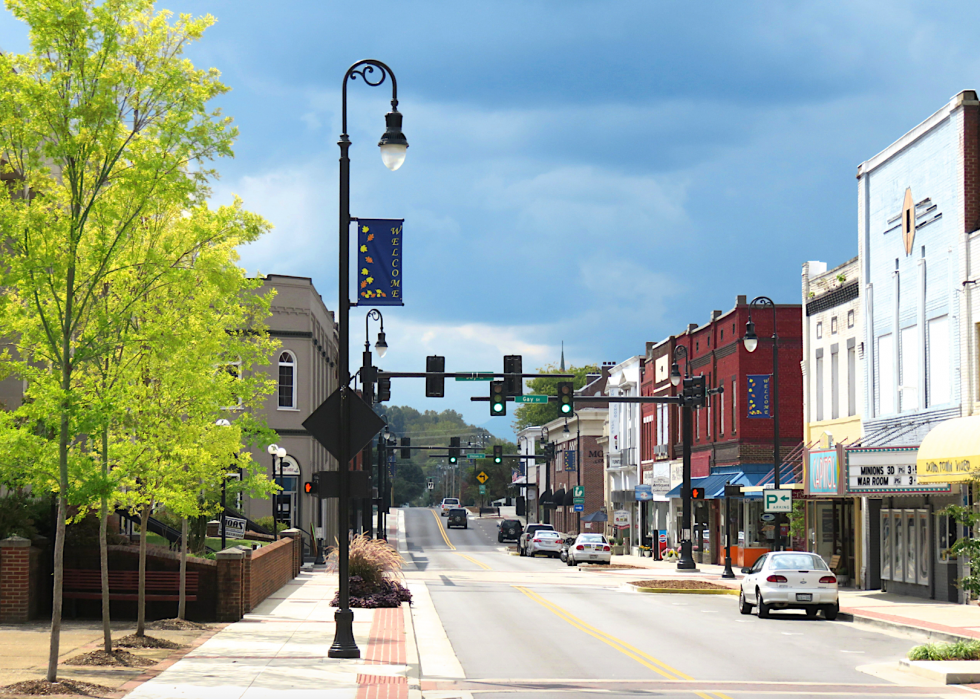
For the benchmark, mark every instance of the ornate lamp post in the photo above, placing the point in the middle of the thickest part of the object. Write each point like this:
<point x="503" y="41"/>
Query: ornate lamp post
<point x="276" y="451"/>
<point x="686" y="561"/>
<point x="393" y="149"/>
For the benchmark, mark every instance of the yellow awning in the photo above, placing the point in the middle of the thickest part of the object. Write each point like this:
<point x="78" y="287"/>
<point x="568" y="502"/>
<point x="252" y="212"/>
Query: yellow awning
<point x="950" y="453"/>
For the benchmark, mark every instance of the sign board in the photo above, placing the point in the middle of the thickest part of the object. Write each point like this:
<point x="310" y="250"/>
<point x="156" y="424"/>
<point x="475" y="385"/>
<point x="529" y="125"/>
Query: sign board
<point x="658" y="478"/>
<point x="885" y="470"/>
<point x="568" y="459"/>
<point x="235" y="527"/>
<point x="621" y="518"/>
<point x="476" y="455"/>
<point x="778" y="500"/>
<point x="476" y="376"/>
<point x="483" y="490"/>
<point x="579" y="507"/>
<point x="643" y="493"/>
<point x="578" y="491"/>
<point x="822" y="472"/>
<point x="364" y="423"/>
<point x="530" y="399"/>
<point x="759" y="395"/>
<point x="482" y="477"/>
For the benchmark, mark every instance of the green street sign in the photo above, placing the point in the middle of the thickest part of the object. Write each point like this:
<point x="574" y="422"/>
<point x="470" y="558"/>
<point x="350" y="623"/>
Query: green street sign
<point x="476" y="455"/>
<point x="483" y="490"/>
<point x="578" y="501"/>
<point x="530" y="399"/>
<point x="476" y="376"/>
<point x="578" y="491"/>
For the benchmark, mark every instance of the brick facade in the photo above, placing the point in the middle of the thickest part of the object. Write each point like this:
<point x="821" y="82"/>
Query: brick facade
<point x="15" y="587"/>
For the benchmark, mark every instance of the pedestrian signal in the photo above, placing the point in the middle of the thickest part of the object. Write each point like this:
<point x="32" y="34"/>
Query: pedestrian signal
<point x="697" y="493"/>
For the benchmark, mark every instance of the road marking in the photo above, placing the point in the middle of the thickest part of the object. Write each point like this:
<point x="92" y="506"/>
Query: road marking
<point x="626" y="649"/>
<point x="445" y="537"/>
<point x="852" y="651"/>
<point x="473" y="560"/>
<point x="787" y="633"/>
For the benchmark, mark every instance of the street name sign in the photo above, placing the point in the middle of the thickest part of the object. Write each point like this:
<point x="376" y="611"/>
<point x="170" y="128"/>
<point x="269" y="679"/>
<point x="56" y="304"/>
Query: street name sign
<point x="482" y="477"/>
<point x="778" y="500"/>
<point x="483" y="490"/>
<point x="530" y="399"/>
<point x="476" y="455"/>
<point x="476" y="376"/>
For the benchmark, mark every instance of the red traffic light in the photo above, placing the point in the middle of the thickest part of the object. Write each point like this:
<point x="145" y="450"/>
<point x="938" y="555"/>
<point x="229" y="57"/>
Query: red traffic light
<point x="697" y="493"/>
<point x="309" y="488"/>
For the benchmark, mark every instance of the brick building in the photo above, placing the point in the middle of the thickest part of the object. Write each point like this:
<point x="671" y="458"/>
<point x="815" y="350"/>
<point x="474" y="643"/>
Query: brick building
<point x="727" y="444"/>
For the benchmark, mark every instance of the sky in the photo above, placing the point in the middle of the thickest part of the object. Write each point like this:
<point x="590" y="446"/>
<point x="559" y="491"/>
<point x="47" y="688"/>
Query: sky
<point x="598" y="174"/>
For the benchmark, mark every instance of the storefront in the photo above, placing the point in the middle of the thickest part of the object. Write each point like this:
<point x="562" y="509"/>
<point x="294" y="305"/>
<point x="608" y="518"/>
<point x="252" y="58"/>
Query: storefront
<point x="831" y="519"/>
<point x="655" y="510"/>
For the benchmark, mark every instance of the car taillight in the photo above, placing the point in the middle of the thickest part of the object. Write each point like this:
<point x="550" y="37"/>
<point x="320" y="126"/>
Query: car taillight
<point x="776" y="578"/>
<point x="537" y="541"/>
<point x="580" y="548"/>
<point x="606" y="548"/>
<point x="828" y="579"/>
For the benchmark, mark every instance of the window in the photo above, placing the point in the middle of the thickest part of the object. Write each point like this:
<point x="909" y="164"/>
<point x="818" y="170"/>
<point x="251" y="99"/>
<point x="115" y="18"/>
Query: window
<point x="287" y="381"/>
<point x="850" y="319"/>
<point x="734" y="403"/>
<point x="908" y="395"/>
<point x="834" y="383"/>
<point x="818" y="379"/>
<point x="938" y="377"/>
<point x="851" y="379"/>
<point x="721" y="414"/>
<point x="833" y="325"/>
<point x="886" y="375"/>
<point x="819" y="330"/>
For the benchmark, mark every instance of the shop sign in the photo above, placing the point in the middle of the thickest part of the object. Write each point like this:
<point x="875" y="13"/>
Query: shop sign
<point x="643" y="492"/>
<point x="888" y="470"/>
<point x="658" y="478"/>
<point x="234" y="527"/>
<point x="621" y="518"/>
<point x="823" y="472"/>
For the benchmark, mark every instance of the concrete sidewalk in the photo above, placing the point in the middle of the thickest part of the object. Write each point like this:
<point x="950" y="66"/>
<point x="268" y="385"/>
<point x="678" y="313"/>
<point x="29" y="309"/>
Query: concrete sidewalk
<point x="941" y="621"/>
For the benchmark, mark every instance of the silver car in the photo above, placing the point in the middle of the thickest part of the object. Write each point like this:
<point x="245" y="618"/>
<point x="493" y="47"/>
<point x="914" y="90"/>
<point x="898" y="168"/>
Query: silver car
<point x="789" y="580"/>
<point x="589" y="548"/>
<point x="543" y="541"/>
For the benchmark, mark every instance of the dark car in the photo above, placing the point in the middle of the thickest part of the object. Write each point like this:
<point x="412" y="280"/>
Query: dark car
<point x="457" y="518"/>
<point x="509" y="529"/>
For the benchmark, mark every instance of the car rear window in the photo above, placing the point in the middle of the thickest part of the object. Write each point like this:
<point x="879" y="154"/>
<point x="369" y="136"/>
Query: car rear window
<point x="797" y="561"/>
<point x="457" y="511"/>
<point x="548" y="533"/>
<point x="596" y="538"/>
<point x="450" y="501"/>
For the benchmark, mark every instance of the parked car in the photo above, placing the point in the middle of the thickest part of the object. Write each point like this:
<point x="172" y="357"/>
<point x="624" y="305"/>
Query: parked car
<point x="789" y="580"/>
<point x="545" y="541"/>
<point x="456" y="518"/>
<point x="448" y="504"/>
<point x="589" y="548"/>
<point x="509" y="529"/>
<point x="529" y="530"/>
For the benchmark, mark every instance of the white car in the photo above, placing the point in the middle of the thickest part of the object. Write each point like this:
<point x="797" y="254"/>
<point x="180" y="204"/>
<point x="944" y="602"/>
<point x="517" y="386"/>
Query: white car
<point x="544" y="541"/>
<point x="447" y="505"/>
<point x="589" y="548"/>
<point x="789" y="580"/>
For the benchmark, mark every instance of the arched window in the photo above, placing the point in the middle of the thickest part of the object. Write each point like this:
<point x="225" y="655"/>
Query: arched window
<point x="287" y="380"/>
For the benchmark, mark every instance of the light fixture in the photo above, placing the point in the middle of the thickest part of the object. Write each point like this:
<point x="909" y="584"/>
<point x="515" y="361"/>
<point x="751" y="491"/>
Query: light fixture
<point x="565" y="431"/>
<point x="273" y="449"/>
<point x="751" y="340"/>
<point x="393" y="143"/>
<point x="381" y="346"/>
<point x="675" y="375"/>
<point x="281" y="453"/>
<point x="222" y="423"/>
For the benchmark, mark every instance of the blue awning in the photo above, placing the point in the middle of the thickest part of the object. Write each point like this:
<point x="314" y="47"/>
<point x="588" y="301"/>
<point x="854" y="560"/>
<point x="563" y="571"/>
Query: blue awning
<point x="714" y="485"/>
<point x="787" y="476"/>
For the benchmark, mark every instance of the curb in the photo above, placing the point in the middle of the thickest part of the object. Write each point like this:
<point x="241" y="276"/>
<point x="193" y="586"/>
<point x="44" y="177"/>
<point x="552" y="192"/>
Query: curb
<point x="923" y="633"/>
<point x="672" y="591"/>
<point x="944" y="671"/>
<point x="414" y="662"/>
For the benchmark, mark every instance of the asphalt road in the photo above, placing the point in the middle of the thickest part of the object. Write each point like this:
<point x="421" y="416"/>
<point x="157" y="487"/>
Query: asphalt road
<point x="534" y="627"/>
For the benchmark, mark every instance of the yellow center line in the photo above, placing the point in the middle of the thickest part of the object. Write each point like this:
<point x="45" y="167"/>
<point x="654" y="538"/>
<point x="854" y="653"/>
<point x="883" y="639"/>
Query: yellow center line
<point x="626" y="649"/>
<point x="473" y="560"/>
<point x="445" y="537"/>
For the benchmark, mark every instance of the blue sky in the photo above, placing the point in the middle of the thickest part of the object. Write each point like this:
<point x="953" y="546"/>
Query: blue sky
<point x="668" y="155"/>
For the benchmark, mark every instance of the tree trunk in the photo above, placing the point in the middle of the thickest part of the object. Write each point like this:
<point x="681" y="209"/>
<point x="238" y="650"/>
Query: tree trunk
<point x="182" y="603"/>
<point x="104" y="549"/>
<point x="141" y="597"/>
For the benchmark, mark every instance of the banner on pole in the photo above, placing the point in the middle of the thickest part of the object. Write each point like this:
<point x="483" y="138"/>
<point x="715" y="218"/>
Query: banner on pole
<point x="379" y="262"/>
<point x="568" y="459"/>
<point x="758" y="395"/>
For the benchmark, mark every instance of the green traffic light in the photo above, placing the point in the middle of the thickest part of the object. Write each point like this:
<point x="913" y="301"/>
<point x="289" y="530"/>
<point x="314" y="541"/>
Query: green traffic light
<point x="566" y="408"/>
<point x="497" y="460"/>
<point x="497" y="407"/>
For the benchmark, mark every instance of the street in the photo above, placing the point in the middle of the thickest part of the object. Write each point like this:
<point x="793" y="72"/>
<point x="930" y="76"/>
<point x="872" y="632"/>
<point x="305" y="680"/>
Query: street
<point x="523" y="627"/>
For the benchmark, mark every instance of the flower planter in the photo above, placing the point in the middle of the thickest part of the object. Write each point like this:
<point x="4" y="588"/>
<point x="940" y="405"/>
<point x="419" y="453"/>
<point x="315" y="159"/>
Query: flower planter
<point x="617" y="550"/>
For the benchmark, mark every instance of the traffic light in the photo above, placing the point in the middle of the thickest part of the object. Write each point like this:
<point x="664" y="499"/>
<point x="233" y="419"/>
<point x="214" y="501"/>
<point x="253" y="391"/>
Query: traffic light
<point x="384" y="389"/>
<point x="453" y="449"/>
<point x="406" y="452"/>
<point x="565" y="397"/>
<point x="435" y="386"/>
<point x="549" y="451"/>
<point x="513" y="383"/>
<point x="310" y="487"/>
<point x="498" y="398"/>
<point x="498" y="453"/>
<point x="697" y="493"/>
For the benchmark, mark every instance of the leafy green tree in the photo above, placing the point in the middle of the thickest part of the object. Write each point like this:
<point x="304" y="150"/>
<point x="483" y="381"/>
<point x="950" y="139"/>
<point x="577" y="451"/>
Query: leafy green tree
<point x="103" y="124"/>
<point x="534" y="414"/>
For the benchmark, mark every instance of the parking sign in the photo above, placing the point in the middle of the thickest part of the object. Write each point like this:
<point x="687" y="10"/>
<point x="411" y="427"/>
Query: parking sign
<point x="778" y="500"/>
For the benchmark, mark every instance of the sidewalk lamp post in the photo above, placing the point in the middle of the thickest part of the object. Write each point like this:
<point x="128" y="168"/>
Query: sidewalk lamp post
<point x="686" y="560"/>
<point x="393" y="147"/>
<point x="276" y="451"/>
<point x="751" y="341"/>
<point x="369" y="375"/>
<point x="729" y="573"/>
<point x="224" y="480"/>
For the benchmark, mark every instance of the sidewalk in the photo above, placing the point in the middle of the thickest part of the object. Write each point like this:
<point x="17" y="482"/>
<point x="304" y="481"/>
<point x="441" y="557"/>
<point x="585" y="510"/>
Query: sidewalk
<point x="941" y="621"/>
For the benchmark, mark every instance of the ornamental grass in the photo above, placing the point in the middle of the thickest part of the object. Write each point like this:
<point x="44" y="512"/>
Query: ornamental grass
<point x="958" y="650"/>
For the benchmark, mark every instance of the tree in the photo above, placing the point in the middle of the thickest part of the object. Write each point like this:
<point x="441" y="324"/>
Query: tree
<point x="534" y="414"/>
<point x="102" y="122"/>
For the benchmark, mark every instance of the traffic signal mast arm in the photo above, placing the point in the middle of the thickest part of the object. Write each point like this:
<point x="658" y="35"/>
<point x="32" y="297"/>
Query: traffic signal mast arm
<point x="465" y="375"/>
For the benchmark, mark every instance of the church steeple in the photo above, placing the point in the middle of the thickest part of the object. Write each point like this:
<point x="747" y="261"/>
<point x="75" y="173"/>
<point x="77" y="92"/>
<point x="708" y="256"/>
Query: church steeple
<point x="562" y="367"/>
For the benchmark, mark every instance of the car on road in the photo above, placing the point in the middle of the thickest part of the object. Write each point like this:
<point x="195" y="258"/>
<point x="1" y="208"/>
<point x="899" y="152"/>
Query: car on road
<point x="545" y="541"/>
<point x="447" y="504"/>
<point x="589" y="548"/>
<point x="456" y="518"/>
<point x="528" y="533"/>
<point x="509" y="529"/>
<point x="789" y="580"/>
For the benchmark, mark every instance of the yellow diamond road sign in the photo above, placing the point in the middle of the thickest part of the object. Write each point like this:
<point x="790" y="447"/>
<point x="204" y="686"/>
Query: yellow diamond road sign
<point x="482" y="477"/>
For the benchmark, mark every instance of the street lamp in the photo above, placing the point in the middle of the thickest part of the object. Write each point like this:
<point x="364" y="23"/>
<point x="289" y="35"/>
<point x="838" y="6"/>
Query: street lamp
<point x="276" y="451"/>
<point x="224" y="479"/>
<point x="393" y="149"/>
<point x="686" y="560"/>
<point x="729" y="573"/>
<point x="751" y="341"/>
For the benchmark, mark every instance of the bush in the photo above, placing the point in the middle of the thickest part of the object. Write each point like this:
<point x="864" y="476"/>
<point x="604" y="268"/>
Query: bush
<point x="24" y="515"/>
<point x="269" y="525"/>
<point x="960" y="650"/>
<point x="371" y="560"/>
<point x="389" y="593"/>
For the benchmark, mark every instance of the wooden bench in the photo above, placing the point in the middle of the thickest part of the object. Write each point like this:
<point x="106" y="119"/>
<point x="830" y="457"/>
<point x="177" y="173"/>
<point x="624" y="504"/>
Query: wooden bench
<point x="161" y="585"/>
<point x="835" y="562"/>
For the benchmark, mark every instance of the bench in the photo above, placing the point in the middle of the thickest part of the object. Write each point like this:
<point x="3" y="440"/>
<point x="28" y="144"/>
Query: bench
<point x="835" y="562"/>
<point x="161" y="585"/>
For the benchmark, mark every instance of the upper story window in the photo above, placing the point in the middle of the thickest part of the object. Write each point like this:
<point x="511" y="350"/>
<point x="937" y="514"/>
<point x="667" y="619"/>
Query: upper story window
<point x="287" y="380"/>
<point x="819" y="330"/>
<point x="850" y="319"/>
<point x="833" y="325"/>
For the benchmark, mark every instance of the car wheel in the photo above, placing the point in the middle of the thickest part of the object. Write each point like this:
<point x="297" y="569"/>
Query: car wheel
<point x="500" y="539"/>
<point x="811" y="612"/>
<point x="763" y="607"/>
<point x="830" y="612"/>
<point x="743" y="606"/>
<point x="466" y="526"/>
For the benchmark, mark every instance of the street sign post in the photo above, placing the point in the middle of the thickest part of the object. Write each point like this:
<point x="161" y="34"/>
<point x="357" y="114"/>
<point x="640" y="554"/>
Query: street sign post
<point x="482" y="477"/>
<point x="578" y="497"/>
<point x="778" y="500"/>
<point x="529" y="398"/>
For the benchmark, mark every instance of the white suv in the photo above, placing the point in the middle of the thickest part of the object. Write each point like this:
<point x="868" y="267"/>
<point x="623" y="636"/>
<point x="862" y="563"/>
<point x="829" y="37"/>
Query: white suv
<point x="447" y="505"/>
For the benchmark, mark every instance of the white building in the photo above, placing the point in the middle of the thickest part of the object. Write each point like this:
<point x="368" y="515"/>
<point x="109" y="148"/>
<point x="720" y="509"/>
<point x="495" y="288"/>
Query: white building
<point x="623" y="447"/>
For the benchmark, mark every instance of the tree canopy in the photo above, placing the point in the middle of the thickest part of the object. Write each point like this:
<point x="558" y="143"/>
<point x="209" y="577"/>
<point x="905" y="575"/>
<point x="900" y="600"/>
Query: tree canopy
<point x="534" y="414"/>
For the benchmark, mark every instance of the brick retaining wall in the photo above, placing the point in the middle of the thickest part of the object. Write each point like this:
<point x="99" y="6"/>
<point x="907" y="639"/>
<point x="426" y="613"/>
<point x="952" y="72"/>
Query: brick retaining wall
<point x="270" y="568"/>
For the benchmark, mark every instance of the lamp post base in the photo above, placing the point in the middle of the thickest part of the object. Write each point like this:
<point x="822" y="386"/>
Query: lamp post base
<point x="686" y="561"/>
<point x="729" y="574"/>
<point x="320" y="560"/>
<point x="344" y="645"/>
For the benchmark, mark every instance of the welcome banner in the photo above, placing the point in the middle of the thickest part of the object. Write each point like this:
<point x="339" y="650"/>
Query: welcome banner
<point x="379" y="262"/>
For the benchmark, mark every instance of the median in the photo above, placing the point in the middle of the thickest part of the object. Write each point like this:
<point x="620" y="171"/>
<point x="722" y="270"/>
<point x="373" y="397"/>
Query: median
<point x="688" y="587"/>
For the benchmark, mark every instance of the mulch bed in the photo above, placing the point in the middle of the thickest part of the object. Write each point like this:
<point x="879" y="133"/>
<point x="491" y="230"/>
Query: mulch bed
<point x="680" y="584"/>
<point x="177" y="625"/>
<point x="43" y="688"/>
<point x="134" y="641"/>
<point x="117" y="658"/>
<point x="613" y="566"/>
